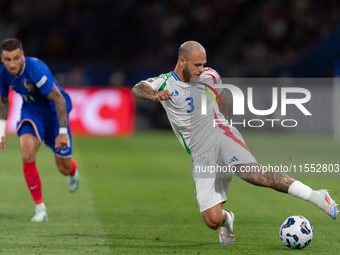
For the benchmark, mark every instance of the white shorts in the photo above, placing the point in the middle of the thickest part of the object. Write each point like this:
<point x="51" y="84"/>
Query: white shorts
<point x="213" y="172"/>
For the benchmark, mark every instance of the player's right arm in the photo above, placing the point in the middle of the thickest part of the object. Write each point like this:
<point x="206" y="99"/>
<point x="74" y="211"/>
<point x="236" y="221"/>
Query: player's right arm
<point x="4" y="106"/>
<point x="55" y="96"/>
<point x="142" y="90"/>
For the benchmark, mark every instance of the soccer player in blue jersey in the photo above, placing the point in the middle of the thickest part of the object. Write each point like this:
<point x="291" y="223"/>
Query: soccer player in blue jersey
<point x="44" y="116"/>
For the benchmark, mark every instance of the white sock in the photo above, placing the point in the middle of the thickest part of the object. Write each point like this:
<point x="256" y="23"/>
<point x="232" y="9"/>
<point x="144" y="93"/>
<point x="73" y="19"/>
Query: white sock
<point x="300" y="190"/>
<point x="227" y="221"/>
<point x="40" y="206"/>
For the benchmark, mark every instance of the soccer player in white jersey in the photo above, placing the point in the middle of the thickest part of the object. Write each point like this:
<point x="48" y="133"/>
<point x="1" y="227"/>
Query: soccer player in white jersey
<point x="222" y="145"/>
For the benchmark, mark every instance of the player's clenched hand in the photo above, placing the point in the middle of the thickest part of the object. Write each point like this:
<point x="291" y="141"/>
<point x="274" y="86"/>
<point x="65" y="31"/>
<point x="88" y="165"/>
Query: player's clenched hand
<point x="3" y="143"/>
<point x="61" y="141"/>
<point x="162" y="95"/>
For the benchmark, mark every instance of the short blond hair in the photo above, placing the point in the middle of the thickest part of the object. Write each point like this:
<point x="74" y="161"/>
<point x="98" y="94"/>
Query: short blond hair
<point x="186" y="48"/>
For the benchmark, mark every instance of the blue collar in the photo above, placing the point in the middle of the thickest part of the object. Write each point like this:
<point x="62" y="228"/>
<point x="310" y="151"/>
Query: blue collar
<point x="175" y="76"/>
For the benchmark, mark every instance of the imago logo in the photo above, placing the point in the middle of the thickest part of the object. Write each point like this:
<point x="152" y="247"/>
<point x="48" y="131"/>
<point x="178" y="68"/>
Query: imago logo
<point x="239" y="103"/>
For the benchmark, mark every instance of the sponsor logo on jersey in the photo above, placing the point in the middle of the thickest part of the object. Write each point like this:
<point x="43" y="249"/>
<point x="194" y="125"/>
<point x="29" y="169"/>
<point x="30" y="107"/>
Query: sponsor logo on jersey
<point x="30" y="87"/>
<point x="175" y="93"/>
<point x="233" y="159"/>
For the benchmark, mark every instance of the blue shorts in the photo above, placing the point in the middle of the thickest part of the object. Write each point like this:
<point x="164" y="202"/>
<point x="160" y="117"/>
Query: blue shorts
<point x="44" y="130"/>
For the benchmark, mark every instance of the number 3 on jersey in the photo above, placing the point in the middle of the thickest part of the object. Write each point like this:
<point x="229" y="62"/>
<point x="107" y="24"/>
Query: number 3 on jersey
<point x="190" y="103"/>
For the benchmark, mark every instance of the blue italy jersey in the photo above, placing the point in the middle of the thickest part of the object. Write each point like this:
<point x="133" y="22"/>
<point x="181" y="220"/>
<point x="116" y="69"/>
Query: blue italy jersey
<point x="34" y="84"/>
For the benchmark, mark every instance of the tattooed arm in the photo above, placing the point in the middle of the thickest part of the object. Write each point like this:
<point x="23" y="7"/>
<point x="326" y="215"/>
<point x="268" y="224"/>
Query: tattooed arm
<point x="60" y="105"/>
<point x="4" y="106"/>
<point x="144" y="91"/>
<point x="224" y="107"/>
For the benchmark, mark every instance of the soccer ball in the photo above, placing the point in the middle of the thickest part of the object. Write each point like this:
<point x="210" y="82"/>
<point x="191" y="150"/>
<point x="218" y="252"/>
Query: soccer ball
<point x="296" y="232"/>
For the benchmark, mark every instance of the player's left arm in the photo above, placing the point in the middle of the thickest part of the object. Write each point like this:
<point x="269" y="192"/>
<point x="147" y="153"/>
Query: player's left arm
<point x="224" y="106"/>
<point x="60" y="105"/>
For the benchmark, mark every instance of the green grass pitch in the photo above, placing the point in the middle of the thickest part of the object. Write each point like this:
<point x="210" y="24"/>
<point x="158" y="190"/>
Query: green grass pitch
<point x="136" y="196"/>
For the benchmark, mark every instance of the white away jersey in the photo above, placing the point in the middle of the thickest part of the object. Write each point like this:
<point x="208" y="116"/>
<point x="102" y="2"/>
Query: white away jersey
<point x="193" y="109"/>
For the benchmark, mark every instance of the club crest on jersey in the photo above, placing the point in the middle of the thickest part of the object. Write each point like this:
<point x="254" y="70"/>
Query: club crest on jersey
<point x="30" y="87"/>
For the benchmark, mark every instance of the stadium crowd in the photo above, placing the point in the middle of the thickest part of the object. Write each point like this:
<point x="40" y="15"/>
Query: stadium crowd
<point x="245" y="38"/>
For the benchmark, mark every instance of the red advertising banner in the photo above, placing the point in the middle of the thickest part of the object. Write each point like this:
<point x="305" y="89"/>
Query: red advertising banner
<point x="96" y="111"/>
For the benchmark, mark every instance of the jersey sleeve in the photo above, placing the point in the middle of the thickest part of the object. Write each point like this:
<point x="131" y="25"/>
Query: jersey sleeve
<point x="42" y="77"/>
<point x="154" y="83"/>
<point x="212" y="77"/>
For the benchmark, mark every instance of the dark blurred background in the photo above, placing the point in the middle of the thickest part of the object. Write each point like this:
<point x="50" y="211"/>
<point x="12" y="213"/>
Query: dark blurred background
<point x="119" y="43"/>
<point x="101" y="42"/>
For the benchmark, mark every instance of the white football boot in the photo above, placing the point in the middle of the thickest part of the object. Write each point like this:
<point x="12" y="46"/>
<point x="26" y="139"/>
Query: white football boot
<point x="226" y="234"/>
<point x="322" y="199"/>
<point x="73" y="182"/>
<point x="40" y="215"/>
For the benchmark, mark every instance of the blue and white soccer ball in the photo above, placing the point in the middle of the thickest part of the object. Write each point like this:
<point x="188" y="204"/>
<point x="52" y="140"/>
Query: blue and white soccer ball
<point x="296" y="232"/>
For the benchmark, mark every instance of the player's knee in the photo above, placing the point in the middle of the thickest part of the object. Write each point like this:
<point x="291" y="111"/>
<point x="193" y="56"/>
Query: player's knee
<point x="212" y="221"/>
<point x="212" y="224"/>
<point x="28" y="157"/>
<point x="213" y="216"/>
